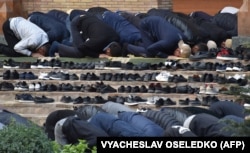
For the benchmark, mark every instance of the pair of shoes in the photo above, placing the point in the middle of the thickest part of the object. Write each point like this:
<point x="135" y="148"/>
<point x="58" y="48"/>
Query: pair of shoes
<point x="208" y="89"/>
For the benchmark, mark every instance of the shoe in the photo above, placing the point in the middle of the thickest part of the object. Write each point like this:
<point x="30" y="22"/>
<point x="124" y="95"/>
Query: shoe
<point x="38" y="86"/>
<point x="59" y="76"/>
<point x="7" y="86"/>
<point x="24" y="65"/>
<point x="113" y="65"/>
<point x="51" y="87"/>
<point x="43" y="99"/>
<point x="225" y="54"/>
<point x="152" y="100"/>
<point x="184" y="102"/>
<point x="6" y="75"/>
<point x="73" y="77"/>
<point x="163" y="76"/>
<point x="43" y="76"/>
<point x="21" y="86"/>
<point x="202" y="55"/>
<point x="195" y="102"/>
<point x="142" y="109"/>
<point x="168" y="102"/>
<point x="130" y="101"/>
<point x="14" y="75"/>
<point x="31" y="86"/>
<point x="10" y="63"/>
<point x="66" y="99"/>
<point x="107" y="89"/>
<point x="143" y="89"/>
<point x="202" y="89"/>
<point x="24" y="98"/>
<point x="210" y="90"/>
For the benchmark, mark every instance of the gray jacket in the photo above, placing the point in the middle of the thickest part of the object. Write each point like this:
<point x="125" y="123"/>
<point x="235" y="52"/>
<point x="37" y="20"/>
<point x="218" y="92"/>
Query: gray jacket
<point x="31" y="36"/>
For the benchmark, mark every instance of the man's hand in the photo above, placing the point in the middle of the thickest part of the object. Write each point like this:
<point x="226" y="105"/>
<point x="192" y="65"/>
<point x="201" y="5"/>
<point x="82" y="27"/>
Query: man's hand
<point x="36" y="55"/>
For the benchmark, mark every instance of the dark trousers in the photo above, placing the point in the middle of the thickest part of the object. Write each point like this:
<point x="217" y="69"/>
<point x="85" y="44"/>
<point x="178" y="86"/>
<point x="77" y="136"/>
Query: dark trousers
<point x="11" y="40"/>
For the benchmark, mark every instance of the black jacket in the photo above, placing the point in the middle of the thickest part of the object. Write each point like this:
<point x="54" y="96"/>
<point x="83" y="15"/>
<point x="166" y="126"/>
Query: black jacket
<point x="228" y="22"/>
<point x="91" y="35"/>
<point x="55" y="29"/>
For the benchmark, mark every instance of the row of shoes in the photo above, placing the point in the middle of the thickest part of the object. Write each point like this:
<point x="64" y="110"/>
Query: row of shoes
<point x="26" y="97"/>
<point x="101" y="65"/>
<point x="163" y="76"/>
<point x="226" y="54"/>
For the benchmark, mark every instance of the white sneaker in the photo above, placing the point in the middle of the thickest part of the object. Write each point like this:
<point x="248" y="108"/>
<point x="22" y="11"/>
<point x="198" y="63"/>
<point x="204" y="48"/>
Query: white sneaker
<point x="163" y="76"/>
<point x="37" y="86"/>
<point x="43" y="76"/>
<point x="247" y="106"/>
<point x="239" y="76"/>
<point x="210" y="90"/>
<point x="202" y="89"/>
<point x="152" y="100"/>
<point x="31" y="87"/>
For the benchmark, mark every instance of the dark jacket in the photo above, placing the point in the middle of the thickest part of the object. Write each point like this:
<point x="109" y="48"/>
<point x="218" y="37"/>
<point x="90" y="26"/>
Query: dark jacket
<point x="185" y="24"/>
<point x="224" y="108"/>
<point x="158" y="12"/>
<point x="212" y="31"/>
<point x="87" y="111"/>
<point x="161" y="118"/>
<point x="6" y="117"/>
<point x="58" y="14"/>
<point x="52" y="119"/>
<point x="206" y="125"/>
<point x="128" y="32"/>
<point x="55" y="29"/>
<point x="114" y="126"/>
<point x="228" y="22"/>
<point x="97" y="11"/>
<point x="165" y="36"/>
<point x="141" y="122"/>
<point x="91" y="35"/>
<point x="178" y="113"/>
<point x="75" y="128"/>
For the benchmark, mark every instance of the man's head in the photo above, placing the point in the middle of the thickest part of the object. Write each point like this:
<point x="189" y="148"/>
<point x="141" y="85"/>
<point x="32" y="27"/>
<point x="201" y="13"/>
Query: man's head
<point x="228" y="43"/>
<point x="199" y="47"/>
<point x="183" y="50"/>
<point x="113" y="49"/>
<point x="211" y="45"/>
<point x="44" y="49"/>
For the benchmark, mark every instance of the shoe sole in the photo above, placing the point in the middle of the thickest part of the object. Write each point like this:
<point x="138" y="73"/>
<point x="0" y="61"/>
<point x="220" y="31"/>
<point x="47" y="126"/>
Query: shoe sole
<point x="130" y="104"/>
<point x="226" y="58"/>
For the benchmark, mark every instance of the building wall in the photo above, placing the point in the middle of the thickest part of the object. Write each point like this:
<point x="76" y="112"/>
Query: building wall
<point x="127" y="5"/>
<point x="209" y="6"/>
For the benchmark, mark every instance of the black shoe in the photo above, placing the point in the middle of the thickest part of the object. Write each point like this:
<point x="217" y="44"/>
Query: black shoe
<point x="121" y="89"/>
<point x="78" y="100"/>
<point x="107" y="89"/>
<point x="66" y="99"/>
<point x="6" y="75"/>
<point x="43" y="99"/>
